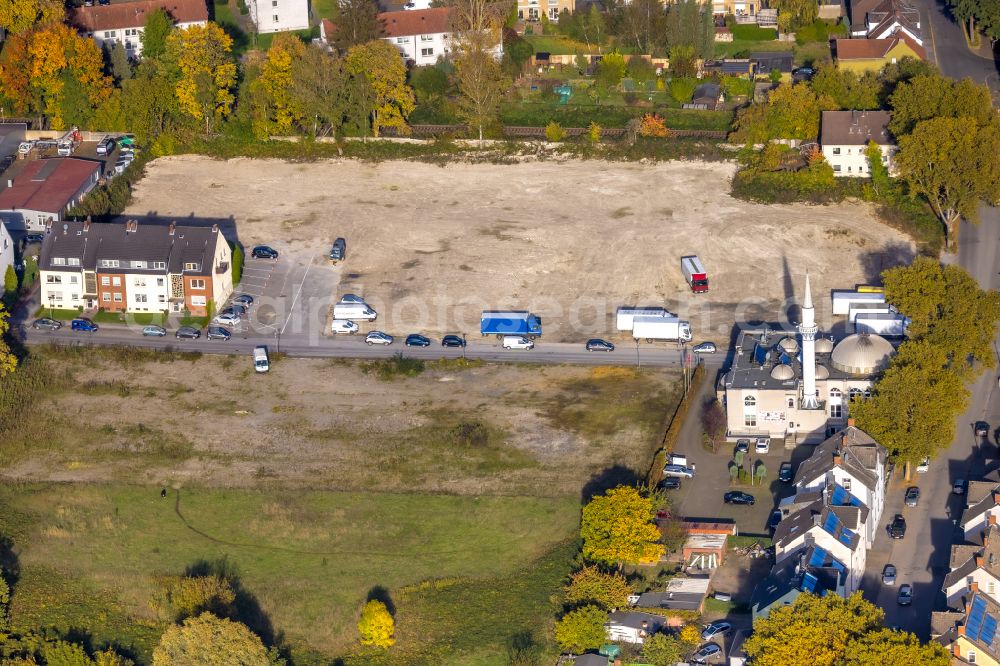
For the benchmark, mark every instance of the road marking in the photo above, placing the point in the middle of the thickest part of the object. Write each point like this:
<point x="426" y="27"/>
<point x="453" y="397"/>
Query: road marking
<point x="295" y="298"/>
<point x="930" y="24"/>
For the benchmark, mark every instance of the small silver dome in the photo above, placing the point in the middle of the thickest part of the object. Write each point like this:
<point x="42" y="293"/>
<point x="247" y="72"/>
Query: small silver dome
<point x="824" y="345"/>
<point x="822" y="372"/>
<point x="789" y="345"/>
<point x="862" y="354"/>
<point x="782" y="371"/>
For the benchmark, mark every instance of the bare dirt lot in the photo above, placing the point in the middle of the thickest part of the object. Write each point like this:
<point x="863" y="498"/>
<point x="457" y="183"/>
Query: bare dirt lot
<point x="465" y="429"/>
<point x="432" y="246"/>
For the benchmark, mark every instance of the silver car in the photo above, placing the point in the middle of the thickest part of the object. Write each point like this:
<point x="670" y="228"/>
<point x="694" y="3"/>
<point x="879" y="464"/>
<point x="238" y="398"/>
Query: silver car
<point x="154" y="331"/>
<point x="704" y="348"/>
<point x="679" y="471"/>
<point x="889" y="575"/>
<point x="378" y="338"/>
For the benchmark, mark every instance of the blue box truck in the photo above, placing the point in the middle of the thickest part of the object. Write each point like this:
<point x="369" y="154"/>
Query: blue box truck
<point x="511" y="322"/>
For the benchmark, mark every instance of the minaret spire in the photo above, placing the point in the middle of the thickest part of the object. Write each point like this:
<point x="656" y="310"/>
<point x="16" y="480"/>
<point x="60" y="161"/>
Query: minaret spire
<point x="807" y="329"/>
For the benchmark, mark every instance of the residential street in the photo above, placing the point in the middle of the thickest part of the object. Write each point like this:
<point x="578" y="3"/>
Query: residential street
<point x="946" y="46"/>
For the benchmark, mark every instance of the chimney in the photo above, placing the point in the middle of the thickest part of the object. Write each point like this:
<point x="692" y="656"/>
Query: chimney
<point x="48" y="225"/>
<point x="836" y="457"/>
<point x="131" y="226"/>
<point x="968" y="609"/>
<point x="10" y="182"/>
<point x="991" y="520"/>
<point x="979" y="563"/>
<point x="843" y="439"/>
<point x="172" y="228"/>
<point x="996" y="497"/>
<point x="974" y="587"/>
<point x="86" y="225"/>
<point x="850" y="423"/>
<point x="960" y="629"/>
<point x="956" y="648"/>
<point x="215" y="228"/>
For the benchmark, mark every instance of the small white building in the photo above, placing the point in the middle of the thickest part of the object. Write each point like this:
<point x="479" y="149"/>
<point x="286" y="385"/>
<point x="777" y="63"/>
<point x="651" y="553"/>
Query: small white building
<point x="124" y="22"/>
<point x="45" y="190"/>
<point x="6" y="250"/>
<point x="844" y="137"/>
<point x="279" y="15"/>
<point x="633" y="627"/>
<point x="421" y="35"/>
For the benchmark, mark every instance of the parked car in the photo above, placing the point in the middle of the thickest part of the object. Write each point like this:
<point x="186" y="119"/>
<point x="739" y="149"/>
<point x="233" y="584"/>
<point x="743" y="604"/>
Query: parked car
<point x="126" y="140"/>
<point x="378" y="338"/>
<point x="153" y="331"/>
<point x="717" y="628"/>
<point x="738" y="497"/>
<point x="596" y="344"/>
<point x="234" y="309"/>
<point x="923" y="465"/>
<point x="982" y="429"/>
<point x="743" y="446"/>
<point x="785" y="474"/>
<point x="187" y="333"/>
<point x="889" y="575"/>
<point x="33" y="238"/>
<point x="25" y="147"/>
<point x="897" y="528"/>
<point x="775" y="518"/>
<point x="517" y="342"/>
<point x="678" y="470"/>
<point x="352" y="298"/>
<point x="106" y="146"/>
<point x="83" y="324"/>
<point x="722" y="596"/>
<point x="343" y="326"/>
<point x="912" y="497"/>
<point x="905" y="597"/>
<point x="417" y="340"/>
<point x="339" y="250"/>
<point x="671" y="483"/>
<point x="227" y="318"/>
<point x="46" y="324"/>
<point x="245" y="300"/>
<point x="762" y="445"/>
<point x="958" y="488"/>
<point x="264" y="252"/>
<point x="704" y="653"/>
<point x="704" y="348"/>
<point x="218" y="333"/>
<point x="120" y="166"/>
<point x="452" y="341"/>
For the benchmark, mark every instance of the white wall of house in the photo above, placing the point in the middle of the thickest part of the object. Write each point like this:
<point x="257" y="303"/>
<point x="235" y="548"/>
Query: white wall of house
<point x="147" y="292"/>
<point x="851" y="161"/>
<point x="6" y="250"/>
<point x="129" y="37"/>
<point x="973" y="526"/>
<point x="222" y="282"/>
<point x="27" y="220"/>
<point x="854" y="560"/>
<point x="422" y="49"/>
<point x="874" y="498"/>
<point x="279" y="15"/>
<point x="987" y="583"/>
<point x="62" y="289"/>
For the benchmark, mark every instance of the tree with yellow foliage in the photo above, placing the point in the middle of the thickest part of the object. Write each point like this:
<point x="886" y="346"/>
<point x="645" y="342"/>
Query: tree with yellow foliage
<point x="203" y="54"/>
<point x="275" y="105"/>
<point x="8" y="363"/>
<point x="376" y="625"/>
<point x="390" y="100"/>
<point x="617" y="528"/>
<point x="18" y="16"/>
<point x="210" y="641"/>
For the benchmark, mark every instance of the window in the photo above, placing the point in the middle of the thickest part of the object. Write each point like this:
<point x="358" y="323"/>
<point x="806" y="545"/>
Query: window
<point x="847" y="484"/>
<point x="73" y="261"/>
<point x="159" y="264"/>
<point x="56" y="295"/>
<point x="848" y="169"/>
<point x="118" y="298"/>
<point x="854" y="394"/>
<point x="750" y="420"/>
<point x="274" y="3"/>
<point x="427" y="38"/>
<point x="105" y="280"/>
<point x="836" y="168"/>
<point x="971" y="657"/>
<point x="76" y="297"/>
<point x="835" y="393"/>
<point x="836" y="411"/>
<point x="191" y="266"/>
<point x="58" y="261"/>
<point x="749" y="401"/>
<point x="116" y="282"/>
<point x="836" y="151"/>
<point x="106" y="296"/>
<point x="197" y="284"/>
<point x="791" y="403"/>
<point x="140" y="282"/>
<point x="108" y="263"/>
<point x="53" y="279"/>
<point x="138" y="264"/>
<point x="140" y="298"/>
<point x="74" y="279"/>
<point x="275" y="17"/>
<point x="426" y="52"/>
<point x="159" y="282"/>
<point x="162" y="298"/>
<point x="401" y="40"/>
<point x="198" y="300"/>
<point x="868" y="393"/>
<point x="990" y="587"/>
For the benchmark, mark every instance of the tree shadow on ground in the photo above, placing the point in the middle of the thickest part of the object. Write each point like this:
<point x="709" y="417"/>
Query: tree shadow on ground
<point x="889" y="256"/>
<point x="610" y="477"/>
<point x="245" y="608"/>
<point x="379" y="593"/>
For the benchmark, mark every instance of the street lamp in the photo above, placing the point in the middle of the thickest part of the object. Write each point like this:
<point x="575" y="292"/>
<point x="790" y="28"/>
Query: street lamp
<point x="463" y="346"/>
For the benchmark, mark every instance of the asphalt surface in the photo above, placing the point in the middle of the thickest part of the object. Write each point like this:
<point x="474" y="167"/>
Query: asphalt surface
<point x="946" y="45"/>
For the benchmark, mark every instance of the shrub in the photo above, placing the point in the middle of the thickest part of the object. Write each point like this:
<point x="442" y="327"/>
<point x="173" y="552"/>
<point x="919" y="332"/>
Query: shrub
<point x="682" y="88"/>
<point x="653" y="125"/>
<point x="582" y="629"/>
<point x="554" y="132"/>
<point x="591" y="585"/>
<point x="641" y="70"/>
<point x="470" y="434"/>
<point x="390" y="368"/>
<point x="594" y="132"/>
<point x="377" y="626"/>
<point x="237" y="252"/>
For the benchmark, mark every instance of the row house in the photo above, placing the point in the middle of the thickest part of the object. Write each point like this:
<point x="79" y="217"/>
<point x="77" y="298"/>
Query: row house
<point x="124" y="22"/>
<point x="134" y="267"/>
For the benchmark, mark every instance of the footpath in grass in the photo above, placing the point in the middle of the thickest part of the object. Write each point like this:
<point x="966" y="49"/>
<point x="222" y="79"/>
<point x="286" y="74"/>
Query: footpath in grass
<point x="307" y="560"/>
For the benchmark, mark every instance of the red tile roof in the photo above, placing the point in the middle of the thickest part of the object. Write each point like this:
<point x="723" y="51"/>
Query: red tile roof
<point x="415" y="22"/>
<point x="121" y="15"/>
<point x="48" y="185"/>
<point x="868" y="49"/>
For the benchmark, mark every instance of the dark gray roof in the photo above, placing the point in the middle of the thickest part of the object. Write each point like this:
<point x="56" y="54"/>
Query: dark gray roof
<point x="963" y="558"/>
<point x="707" y="92"/>
<point x="791" y="527"/>
<point x="767" y="61"/>
<point x="859" y="455"/>
<point x="944" y="621"/>
<point x="786" y="578"/>
<point x="855" y="128"/>
<point x="634" y="620"/>
<point x="979" y="508"/>
<point x="591" y="660"/>
<point x="852" y="516"/>
<point x="960" y="573"/>
<point x="674" y="600"/>
<point x="174" y="245"/>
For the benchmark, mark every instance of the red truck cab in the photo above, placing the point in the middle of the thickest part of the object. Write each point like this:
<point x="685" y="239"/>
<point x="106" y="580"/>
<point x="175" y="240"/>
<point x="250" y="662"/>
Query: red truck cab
<point x="694" y="273"/>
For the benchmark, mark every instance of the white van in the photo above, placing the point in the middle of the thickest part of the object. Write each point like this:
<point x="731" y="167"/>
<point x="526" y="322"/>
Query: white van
<point x="677" y="459"/>
<point x="260" y="361"/>
<point x="360" y="311"/>
<point x="343" y="326"/>
<point x="517" y="342"/>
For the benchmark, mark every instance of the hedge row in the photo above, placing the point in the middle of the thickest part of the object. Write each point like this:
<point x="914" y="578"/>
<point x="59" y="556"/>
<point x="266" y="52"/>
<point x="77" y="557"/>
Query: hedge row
<point x="673" y="431"/>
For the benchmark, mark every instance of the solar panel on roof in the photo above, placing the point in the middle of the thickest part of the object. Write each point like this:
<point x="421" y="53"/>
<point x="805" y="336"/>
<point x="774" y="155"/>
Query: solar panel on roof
<point x="974" y="624"/>
<point x="837" y="565"/>
<point x="989" y="630"/>
<point x="818" y="556"/>
<point x="845" y="536"/>
<point x="840" y="495"/>
<point x="830" y="524"/>
<point x="809" y="582"/>
<point x="760" y="354"/>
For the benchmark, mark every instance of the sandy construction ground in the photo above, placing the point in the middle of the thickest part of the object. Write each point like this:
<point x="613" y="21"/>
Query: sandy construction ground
<point x="432" y="246"/>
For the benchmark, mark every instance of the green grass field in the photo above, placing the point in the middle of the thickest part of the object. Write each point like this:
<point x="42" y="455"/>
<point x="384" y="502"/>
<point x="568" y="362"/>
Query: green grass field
<point x="88" y="556"/>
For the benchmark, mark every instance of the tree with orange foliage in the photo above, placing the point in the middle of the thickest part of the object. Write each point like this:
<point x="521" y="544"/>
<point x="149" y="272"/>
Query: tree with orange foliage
<point x="19" y="16"/>
<point x="653" y="125"/>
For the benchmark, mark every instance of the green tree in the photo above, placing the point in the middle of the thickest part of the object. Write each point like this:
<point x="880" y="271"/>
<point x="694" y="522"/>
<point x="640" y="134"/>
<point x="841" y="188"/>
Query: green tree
<point x="516" y="53"/>
<point x="121" y="69"/>
<point x="154" y="35"/>
<point x="840" y="88"/>
<point x="813" y="631"/>
<point x="203" y="57"/>
<point x="877" y="169"/>
<point x="430" y="83"/>
<point x="62" y="653"/>
<point x="610" y="70"/>
<point x="683" y="63"/>
<point x="682" y="88"/>
<point x="207" y="640"/>
<point x="18" y="16"/>
<point x="481" y="85"/>
<point x="330" y="98"/>
<point x="617" y="528"/>
<point x="237" y="254"/>
<point x="149" y="102"/>
<point x="376" y="626"/>
<point x="591" y="585"/>
<point x="8" y="361"/>
<point x="641" y="23"/>
<point x="791" y="111"/>
<point x="10" y="283"/>
<point x="688" y="24"/>
<point x="663" y="650"/>
<point x="928" y="97"/>
<point x="582" y="629"/>
<point x="357" y="23"/>
<point x="390" y="100"/>
<point x="894" y="648"/>
<point x="794" y="14"/>
<point x="952" y="163"/>
<point x="110" y="115"/>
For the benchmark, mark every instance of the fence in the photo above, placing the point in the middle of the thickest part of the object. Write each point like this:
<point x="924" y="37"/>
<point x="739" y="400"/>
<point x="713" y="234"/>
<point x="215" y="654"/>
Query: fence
<point x="527" y="132"/>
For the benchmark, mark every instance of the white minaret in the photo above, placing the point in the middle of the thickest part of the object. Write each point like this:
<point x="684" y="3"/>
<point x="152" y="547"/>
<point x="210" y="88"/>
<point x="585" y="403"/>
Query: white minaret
<point x="807" y="329"/>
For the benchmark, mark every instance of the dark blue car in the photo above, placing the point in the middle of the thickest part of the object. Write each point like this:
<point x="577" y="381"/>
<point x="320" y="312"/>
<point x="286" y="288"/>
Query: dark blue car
<point x="83" y="324"/>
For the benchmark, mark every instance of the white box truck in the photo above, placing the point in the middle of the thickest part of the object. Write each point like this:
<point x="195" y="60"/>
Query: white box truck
<point x="354" y="311"/>
<point x="842" y="300"/>
<point x="857" y="310"/>
<point x="661" y="328"/>
<point x="625" y="316"/>
<point x="886" y="324"/>
<point x="260" y="361"/>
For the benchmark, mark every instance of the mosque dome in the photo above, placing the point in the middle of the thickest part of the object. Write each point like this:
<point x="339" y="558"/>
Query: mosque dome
<point x="823" y="345"/>
<point x="789" y="345"/>
<point x="822" y="372"/>
<point x="782" y="371"/>
<point x="862" y="354"/>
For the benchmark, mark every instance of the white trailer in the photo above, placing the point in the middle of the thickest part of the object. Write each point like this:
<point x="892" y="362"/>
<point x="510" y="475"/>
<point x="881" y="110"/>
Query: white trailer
<point x="626" y="315"/>
<point x="856" y="310"/>
<point x="354" y="312"/>
<point x="886" y="324"/>
<point x="842" y="300"/>
<point x="661" y="328"/>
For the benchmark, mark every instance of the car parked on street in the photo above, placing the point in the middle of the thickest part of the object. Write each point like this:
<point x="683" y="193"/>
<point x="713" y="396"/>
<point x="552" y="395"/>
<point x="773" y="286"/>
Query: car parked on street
<point x="889" y="575"/>
<point x="187" y="333"/>
<point x="704" y="653"/>
<point x="245" y="300"/>
<point x="596" y="344"/>
<point x="671" y="483"/>
<point x="982" y="429"/>
<point x="264" y="252"/>
<point x="46" y="324"/>
<point x="227" y="318"/>
<point x="352" y="298"/>
<point x="153" y="331"/>
<point x="958" y="488"/>
<point x="743" y="446"/>
<point x="738" y="497"/>
<point x="517" y="342"/>
<point x="912" y="497"/>
<point x="452" y="341"/>
<point x="218" y="333"/>
<point x="897" y="528"/>
<point x="717" y="628"/>
<point x="417" y="340"/>
<point x="83" y="324"/>
<point x="785" y="474"/>
<point x="378" y="338"/>
<point x="339" y="250"/>
<point x="343" y="326"/>
<point x="678" y="470"/>
<point x="905" y="597"/>
<point x="704" y="348"/>
<point x="923" y="465"/>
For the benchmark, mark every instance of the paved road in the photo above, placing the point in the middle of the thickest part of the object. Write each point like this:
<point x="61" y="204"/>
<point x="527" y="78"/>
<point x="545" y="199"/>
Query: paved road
<point x="354" y="347"/>
<point x="947" y="47"/>
<point x="922" y="557"/>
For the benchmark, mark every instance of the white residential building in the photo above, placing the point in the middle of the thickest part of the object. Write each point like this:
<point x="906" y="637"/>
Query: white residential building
<point x="6" y="250"/>
<point x="44" y="190"/>
<point x="844" y="137"/>
<point x="423" y="36"/>
<point x="633" y="627"/>
<point x="279" y="15"/>
<point x="124" y="22"/>
<point x="974" y="569"/>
